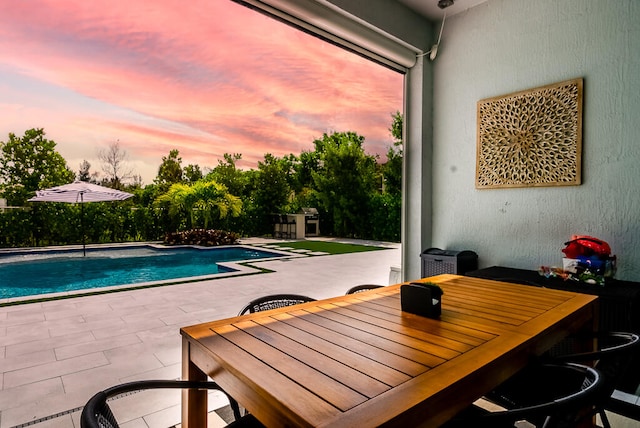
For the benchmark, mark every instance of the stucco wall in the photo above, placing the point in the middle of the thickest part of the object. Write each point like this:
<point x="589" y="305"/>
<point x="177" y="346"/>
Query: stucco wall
<point x="504" y="46"/>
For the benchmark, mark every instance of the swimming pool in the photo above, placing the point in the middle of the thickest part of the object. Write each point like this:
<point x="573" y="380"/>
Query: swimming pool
<point x="30" y="273"/>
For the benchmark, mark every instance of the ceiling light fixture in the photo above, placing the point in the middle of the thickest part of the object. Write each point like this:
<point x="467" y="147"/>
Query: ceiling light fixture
<point x="443" y="4"/>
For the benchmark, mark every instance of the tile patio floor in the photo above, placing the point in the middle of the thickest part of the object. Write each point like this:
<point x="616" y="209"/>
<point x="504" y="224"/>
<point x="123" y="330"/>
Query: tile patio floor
<point x="55" y="355"/>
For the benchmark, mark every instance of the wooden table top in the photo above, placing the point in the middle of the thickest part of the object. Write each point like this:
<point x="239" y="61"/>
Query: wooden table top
<point x="358" y="360"/>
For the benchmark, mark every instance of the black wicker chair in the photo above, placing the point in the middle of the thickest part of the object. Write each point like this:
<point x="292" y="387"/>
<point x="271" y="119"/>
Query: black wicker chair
<point x="273" y="301"/>
<point x="546" y="395"/>
<point x="362" y="287"/>
<point x="97" y="413"/>
<point x="613" y="354"/>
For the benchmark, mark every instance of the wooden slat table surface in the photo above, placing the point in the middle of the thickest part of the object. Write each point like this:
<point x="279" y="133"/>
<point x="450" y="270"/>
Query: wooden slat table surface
<point x="358" y="360"/>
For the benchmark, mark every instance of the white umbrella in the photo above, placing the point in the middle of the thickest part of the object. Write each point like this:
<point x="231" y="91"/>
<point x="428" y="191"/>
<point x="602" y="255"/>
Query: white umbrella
<point x="80" y="192"/>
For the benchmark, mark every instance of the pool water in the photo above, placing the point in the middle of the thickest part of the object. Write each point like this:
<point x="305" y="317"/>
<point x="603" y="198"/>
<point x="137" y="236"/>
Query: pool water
<point x="41" y="272"/>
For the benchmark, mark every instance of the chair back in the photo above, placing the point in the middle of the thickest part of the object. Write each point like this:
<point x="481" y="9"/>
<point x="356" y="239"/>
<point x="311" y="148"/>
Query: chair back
<point x="362" y="287"/>
<point x="97" y="413"/>
<point x="547" y="395"/>
<point x="284" y="218"/>
<point x="613" y="355"/>
<point x="273" y="301"/>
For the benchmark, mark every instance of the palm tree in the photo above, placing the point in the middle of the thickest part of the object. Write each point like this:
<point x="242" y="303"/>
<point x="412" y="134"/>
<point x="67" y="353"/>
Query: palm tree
<point x="202" y="200"/>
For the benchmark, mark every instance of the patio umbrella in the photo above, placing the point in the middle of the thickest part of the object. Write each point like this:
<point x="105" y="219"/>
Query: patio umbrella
<point x="80" y="192"/>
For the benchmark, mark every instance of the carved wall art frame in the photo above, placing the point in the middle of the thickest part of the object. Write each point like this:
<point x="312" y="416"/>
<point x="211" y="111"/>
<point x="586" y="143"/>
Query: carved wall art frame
<point x="531" y="138"/>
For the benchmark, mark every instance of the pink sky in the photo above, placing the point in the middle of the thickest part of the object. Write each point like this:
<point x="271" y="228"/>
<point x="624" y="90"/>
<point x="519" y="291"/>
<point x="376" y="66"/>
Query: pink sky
<point x="206" y="77"/>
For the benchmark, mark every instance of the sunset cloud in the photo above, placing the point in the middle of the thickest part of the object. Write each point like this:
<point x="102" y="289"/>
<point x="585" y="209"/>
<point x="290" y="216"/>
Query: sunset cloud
<point x="207" y="77"/>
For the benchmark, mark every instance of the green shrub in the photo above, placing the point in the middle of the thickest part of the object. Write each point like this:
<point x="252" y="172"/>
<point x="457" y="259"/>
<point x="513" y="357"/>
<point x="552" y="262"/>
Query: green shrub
<point x="203" y="237"/>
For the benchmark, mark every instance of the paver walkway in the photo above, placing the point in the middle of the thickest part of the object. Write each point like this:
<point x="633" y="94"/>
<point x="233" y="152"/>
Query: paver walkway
<point x="55" y="355"/>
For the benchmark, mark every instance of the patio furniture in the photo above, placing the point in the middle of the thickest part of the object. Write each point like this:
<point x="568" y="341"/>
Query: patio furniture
<point x="288" y="225"/>
<point x="347" y="361"/>
<point x="273" y="301"/>
<point x="614" y="353"/>
<point x="362" y="287"/>
<point x="80" y="192"/>
<point x="548" y="395"/>
<point x="97" y="413"/>
<point x="276" y="222"/>
<point x="619" y="311"/>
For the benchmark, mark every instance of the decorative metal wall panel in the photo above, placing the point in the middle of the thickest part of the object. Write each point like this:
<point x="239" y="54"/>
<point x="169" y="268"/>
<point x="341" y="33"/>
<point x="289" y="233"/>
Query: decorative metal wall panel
<point x="531" y="138"/>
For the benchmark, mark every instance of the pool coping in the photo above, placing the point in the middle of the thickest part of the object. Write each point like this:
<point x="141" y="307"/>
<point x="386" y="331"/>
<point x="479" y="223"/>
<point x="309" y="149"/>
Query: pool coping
<point x="239" y="268"/>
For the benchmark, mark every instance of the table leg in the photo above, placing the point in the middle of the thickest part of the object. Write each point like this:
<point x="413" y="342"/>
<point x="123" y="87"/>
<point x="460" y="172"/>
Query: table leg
<point x="194" y="402"/>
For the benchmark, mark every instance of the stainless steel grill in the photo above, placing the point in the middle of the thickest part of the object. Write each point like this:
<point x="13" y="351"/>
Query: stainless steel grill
<point x="311" y="221"/>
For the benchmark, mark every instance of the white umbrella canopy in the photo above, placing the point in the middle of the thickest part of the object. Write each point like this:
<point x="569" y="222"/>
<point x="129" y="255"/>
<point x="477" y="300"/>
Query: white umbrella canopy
<point x="80" y="192"/>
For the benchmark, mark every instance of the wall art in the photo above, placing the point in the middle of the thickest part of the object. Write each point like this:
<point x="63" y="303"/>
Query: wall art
<point x="531" y="138"/>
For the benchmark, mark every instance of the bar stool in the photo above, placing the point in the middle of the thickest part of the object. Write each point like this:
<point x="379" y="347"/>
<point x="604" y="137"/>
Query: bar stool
<point x="277" y="225"/>
<point x="289" y="226"/>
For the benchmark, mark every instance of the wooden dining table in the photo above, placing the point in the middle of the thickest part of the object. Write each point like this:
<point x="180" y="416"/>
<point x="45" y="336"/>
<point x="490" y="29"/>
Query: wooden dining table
<point x="360" y="361"/>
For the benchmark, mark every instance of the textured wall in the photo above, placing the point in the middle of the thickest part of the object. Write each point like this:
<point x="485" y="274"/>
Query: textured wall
<point x="504" y="46"/>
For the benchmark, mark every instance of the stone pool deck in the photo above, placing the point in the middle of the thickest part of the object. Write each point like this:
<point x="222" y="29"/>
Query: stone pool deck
<point x="55" y="355"/>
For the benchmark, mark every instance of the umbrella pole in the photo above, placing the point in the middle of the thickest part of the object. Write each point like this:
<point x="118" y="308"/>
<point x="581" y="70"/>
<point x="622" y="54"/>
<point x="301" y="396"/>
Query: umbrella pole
<point x="84" y="249"/>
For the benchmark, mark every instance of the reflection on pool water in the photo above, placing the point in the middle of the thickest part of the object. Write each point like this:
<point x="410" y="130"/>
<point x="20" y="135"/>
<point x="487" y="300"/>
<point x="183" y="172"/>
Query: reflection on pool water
<point x="27" y="273"/>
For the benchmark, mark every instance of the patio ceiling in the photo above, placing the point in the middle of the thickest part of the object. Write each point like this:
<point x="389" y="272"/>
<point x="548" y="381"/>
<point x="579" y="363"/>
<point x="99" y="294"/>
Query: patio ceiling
<point x="430" y="10"/>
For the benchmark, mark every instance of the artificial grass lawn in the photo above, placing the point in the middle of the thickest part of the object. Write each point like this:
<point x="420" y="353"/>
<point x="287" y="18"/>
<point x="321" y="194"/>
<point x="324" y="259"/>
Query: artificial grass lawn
<point x="329" y="247"/>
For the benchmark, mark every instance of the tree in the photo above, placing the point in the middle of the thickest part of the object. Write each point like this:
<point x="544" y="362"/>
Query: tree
<point x="213" y="201"/>
<point x="114" y="165"/>
<point x="345" y="181"/>
<point x="303" y="166"/>
<point x="392" y="169"/>
<point x="28" y="164"/>
<point x="192" y="173"/>
<point x="396" y="128"/>
<point x="227" y="173"/>
<point x="336" y="139"/>
<point x="170" y="170"/>
<point x="85" y="175"/>
<point x="136" y="181"/>
<point x="272" y="188"/>
<point x="83" y="172"/>
<point x="200" y="202"/>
